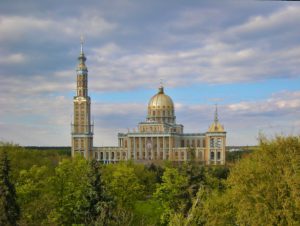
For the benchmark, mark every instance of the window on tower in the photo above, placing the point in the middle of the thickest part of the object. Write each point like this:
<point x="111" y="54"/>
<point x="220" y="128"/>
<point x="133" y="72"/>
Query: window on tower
<point x="218" y="155"/>
<point x="212" y="142"/>
<point x="212" y="155"/>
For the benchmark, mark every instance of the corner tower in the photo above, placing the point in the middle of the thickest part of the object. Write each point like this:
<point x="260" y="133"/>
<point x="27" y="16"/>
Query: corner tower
<point x="82" y="128"/>
<point x="216" y="142"/>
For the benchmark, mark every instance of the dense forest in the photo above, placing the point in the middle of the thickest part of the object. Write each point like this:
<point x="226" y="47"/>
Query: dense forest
<point x="48" y="187"/>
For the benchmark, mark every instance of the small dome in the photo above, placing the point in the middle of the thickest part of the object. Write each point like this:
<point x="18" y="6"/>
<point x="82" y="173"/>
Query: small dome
<point x="216" y="127"/>
<point x="161" y="107"/>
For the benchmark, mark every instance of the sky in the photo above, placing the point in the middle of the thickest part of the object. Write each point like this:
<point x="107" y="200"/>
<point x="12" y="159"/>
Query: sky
<point x="242" y="55"/>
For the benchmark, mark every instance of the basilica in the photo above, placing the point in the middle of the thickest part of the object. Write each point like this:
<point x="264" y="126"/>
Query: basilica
<point x="157" y="139"/>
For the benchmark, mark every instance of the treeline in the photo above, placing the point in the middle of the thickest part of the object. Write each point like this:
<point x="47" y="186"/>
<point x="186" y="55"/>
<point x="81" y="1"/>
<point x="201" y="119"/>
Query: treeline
<point x="48" y="188"/>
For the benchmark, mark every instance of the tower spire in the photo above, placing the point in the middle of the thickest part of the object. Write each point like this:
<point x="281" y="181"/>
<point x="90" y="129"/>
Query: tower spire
<point x="216" y="114"/>
<point x="81" y="64"/>
<point x="81" y="44"/>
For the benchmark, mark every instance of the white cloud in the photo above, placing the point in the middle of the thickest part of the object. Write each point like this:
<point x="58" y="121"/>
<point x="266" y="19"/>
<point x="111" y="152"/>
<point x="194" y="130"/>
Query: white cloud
<point x="280" y="19"/>
<point x="15" y="27"/>
<point x="15" y="58"/>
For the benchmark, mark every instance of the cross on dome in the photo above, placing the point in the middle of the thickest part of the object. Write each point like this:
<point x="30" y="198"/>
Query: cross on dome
<point x="161" y="87"/>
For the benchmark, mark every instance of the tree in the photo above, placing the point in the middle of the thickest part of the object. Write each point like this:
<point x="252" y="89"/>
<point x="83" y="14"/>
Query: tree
<point x="265" y="187"/>
<point x="211" y="207"/>
<point x="33" y="195"/>
<point x="71" y="191"/>
<point x="100" y="204"/>
<point x="9" y="209"/>
<point x="262" y="189"/>
<point x="172" y="193"/>
<point x="122" y="184"/>
<point x="124" y="187"/>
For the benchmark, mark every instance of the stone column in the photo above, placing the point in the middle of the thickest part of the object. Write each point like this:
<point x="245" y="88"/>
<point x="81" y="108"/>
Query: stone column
<point x="152" y="154"/>
<point x="158" y="148"/>
<point x="134" y="148"/>
<point x="215" y="150"/>
<point x="164" y="148"/>
<point x="146" y="150"/>
<point x="129" y="148"/>
<point x="140" y="148"/>
<point x="170" y="145"/>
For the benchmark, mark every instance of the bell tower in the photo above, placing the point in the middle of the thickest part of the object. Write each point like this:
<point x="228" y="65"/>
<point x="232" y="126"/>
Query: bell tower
<point x="82" y="128"/>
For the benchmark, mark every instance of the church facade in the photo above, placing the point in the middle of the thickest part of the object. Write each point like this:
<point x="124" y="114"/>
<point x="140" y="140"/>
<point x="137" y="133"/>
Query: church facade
<point x="157" y="139"/>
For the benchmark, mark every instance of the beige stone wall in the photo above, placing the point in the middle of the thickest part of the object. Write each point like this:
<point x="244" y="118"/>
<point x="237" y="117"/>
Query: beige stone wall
<point x="216" y="148"/>
<point x="143" y="147"/>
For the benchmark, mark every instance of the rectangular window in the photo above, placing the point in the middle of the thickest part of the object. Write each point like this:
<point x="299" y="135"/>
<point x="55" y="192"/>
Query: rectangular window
<point x="212" y="155"/>
<point x="219" y="155"/>
<point x="212" y="142"/>
<point x="219" y="143"/>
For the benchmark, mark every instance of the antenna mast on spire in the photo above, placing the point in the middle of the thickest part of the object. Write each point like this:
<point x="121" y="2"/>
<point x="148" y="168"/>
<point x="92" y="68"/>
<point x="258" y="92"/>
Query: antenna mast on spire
<point x="81" y="43"/>
<point x="216" y="114"/>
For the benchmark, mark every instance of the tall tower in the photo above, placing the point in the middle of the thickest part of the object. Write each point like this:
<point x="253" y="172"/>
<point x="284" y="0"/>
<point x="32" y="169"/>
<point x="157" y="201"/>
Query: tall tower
<point x="82" y="128"/>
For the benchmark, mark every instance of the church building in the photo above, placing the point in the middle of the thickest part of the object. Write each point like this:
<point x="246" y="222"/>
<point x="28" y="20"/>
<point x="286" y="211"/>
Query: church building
<point x="157" y="139"/>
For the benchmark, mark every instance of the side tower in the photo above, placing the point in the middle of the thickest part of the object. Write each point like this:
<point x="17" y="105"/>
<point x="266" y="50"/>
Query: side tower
<point x="82" y="128"/>
<point x="215" y="142"/>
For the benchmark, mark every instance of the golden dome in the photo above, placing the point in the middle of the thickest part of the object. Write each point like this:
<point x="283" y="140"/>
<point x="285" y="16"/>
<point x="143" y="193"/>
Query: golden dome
<point x="161" y="107"/>
<point x="160" y="100"/>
